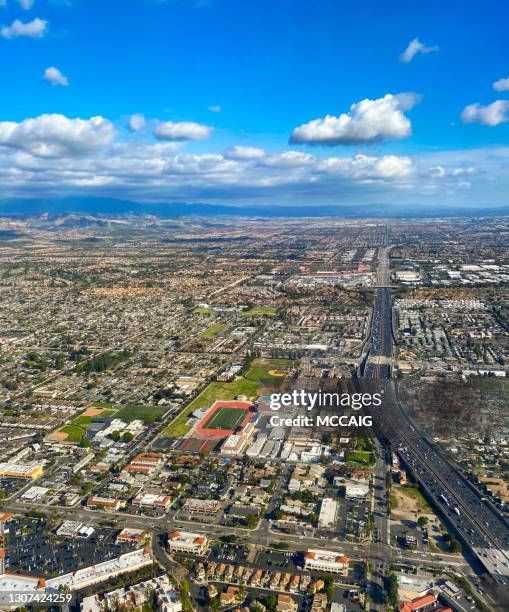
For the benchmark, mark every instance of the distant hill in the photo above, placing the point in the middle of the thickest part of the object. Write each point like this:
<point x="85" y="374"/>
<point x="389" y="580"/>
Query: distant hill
<point x="116" y="207"/>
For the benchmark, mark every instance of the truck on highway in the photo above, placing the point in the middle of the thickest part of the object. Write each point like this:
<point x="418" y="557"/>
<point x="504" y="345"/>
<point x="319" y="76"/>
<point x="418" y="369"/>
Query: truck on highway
<point x="444" y="499"/>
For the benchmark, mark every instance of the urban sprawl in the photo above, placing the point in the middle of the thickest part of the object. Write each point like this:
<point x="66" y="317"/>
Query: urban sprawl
<point x="144" y="463"/>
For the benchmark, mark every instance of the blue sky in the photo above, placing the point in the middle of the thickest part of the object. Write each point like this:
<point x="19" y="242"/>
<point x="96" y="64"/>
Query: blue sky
<point x="288" y="101"/>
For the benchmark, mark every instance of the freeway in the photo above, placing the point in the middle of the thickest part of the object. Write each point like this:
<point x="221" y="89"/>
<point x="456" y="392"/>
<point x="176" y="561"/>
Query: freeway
<point x="482" y="530"/>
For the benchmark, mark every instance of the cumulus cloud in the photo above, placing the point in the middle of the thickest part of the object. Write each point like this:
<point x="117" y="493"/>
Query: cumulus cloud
<point x="136" y="122"/>
<point x="243" y="152"/>
<point x="182" y="130"/>
<point x="52" y="155"/>
<point x="367" y="121"/>
<point x="289" y="159"/>
<point x="55" y="77"/>
<point x="501" y="85"/>
<point x="387" y="167"/>
<point x="492" y="114"/>
<point x="415" y="47"/>
<point x="26" y="4"/>
<point x="215" y="108"/>
<point x="56" y="136"/>
<point x="32" y="29"/>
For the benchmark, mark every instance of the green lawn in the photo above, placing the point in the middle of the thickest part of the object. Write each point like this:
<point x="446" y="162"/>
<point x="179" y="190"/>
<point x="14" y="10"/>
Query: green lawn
<point x="260" y="371"/>
<point x="226" y="418"/>
<point x="203" y="311"/>
<point x="214" y="330"/>
<point x="260" y="310"/>
<point x="132" y="412"/>
<point x="74" y="433"/>
<point x="79" y="425"/>
<point x="360" y="457"/>
<point x="84" y="421"/>
<point x="363" y="444"/>
<point x="214" y="391"/>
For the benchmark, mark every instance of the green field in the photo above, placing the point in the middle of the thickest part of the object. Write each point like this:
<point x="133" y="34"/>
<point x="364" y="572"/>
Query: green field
<point x="260" y="310"/>
<point x="263" y="371"/>
<point x="256" y="378"/>
<point x="201" y="310"/>
<point x="79" y="425"/>
<point x="84" y="421"/>
<point x="226" y="418"/>
<point x="214" y="330"/>
<point x="145" y="413"/>
<point x="362" y="458"/>
<point x="214" y="391"/>
<point x="74" y="433"/>
<point x="77" y="428"/>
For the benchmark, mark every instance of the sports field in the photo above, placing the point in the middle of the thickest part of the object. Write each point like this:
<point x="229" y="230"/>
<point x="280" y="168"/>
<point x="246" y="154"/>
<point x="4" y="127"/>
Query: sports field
<point x="226" y="418"/>
<point x="262" y="373"/>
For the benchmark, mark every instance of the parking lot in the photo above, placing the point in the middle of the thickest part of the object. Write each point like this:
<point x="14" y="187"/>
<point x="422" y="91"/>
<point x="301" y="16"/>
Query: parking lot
<point x="33" y="549"/>
<point x="11" y="485"/>
<point x="228" y="553"/>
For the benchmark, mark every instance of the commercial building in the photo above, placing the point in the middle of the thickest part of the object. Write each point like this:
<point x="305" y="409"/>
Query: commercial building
<point x="152" y="500"/>
<point x="135" y="596"/>
<point x="356" y="489"/>
<point x="132" y="535"/>
<point x="420" y="604"/>
<point x="144" y="464"/>
<point x="17" y="470"/>
<point x="202" y="506"/>
<point x="326" y="561"/>
<point x="106" y="503"/>
<point x="328" y="511"/>
<point x="72" y="529"/>
<point x="185" y="541"/>
<point x="100" y="572"/>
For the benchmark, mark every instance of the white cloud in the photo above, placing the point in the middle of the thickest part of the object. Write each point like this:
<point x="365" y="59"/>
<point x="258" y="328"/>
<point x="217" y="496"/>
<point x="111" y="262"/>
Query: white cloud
<point x="26" y="4"/>
<point x="388" y="167"/>
<point x="415" y="46"/>
<point x="55" y="77"/>
<point x="289" y="159"/>
<point x="243" y="152"/>
<point x="137" y="122"/>
<point x="215" y="108"/>
<point x="493" y="114"/>
<point x="57" y="136"/>
<point x="366" y="122"/>
<point x="32" y="29"/>
<point x="53" y="155"/>
<point x="501" y="85"/>
<point x="182" y="130"/>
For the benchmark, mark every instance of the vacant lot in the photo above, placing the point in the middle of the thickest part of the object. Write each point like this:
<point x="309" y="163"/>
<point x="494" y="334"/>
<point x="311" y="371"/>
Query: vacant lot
<point x="408" y="501"/>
